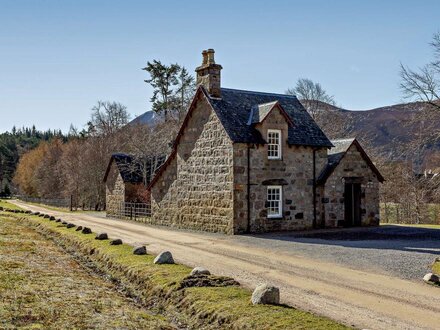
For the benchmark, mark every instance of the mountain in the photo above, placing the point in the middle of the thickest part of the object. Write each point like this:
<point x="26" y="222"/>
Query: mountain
<point x="147" y="118"/>
<point x="409" y="131"/>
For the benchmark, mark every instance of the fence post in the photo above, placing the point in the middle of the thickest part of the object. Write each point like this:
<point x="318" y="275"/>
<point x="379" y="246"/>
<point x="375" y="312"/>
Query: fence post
<point x="71" y="202"/>
<point x="131" y="212"/>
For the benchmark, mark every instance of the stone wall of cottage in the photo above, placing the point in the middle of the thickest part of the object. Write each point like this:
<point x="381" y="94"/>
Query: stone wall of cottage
<point x="115" y="192"/>
<point x="332" y="194"/>
<point x="195" y="191"/>
<point x="294" y="172"/>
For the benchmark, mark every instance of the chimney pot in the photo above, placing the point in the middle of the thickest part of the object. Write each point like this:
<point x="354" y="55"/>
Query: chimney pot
<point x="211" y="52"/>
<point x="205" y="57"/>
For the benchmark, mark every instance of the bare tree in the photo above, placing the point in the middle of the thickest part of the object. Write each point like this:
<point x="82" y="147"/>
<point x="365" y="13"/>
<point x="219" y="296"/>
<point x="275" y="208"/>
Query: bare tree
<point x="314" y="98"/>
<point x="107" y="118"/>
<point x="423" y="84"/>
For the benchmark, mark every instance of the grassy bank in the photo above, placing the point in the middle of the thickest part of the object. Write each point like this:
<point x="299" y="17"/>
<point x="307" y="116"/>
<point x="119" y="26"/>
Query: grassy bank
<point x="42" y="287"/>
<point x="156" y="287"/>
<point x="436" y="268"/>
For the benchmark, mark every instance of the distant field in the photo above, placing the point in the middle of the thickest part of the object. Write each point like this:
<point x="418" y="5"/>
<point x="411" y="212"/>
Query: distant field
<point x="42" y="287"/>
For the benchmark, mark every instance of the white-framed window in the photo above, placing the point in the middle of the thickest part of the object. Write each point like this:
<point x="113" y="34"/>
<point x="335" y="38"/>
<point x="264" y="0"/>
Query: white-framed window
<point x="274" y="201"/>
<point x="273" y="144"/>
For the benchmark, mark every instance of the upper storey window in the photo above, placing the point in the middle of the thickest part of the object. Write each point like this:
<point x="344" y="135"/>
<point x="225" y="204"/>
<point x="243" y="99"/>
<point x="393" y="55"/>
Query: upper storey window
<point x="273" y="144"/>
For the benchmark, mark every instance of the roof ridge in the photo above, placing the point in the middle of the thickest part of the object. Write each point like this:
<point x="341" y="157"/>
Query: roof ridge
<point x="340" y="140"/>
<point x="255" y="92"/>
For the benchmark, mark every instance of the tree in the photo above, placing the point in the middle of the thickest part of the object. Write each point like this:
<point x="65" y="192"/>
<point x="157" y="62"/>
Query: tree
<point x="314" y="98"/>
<point x="107" y="118"/>
<point x="185" y="91"/>
<point x="162" y="79"/>
<point x="320" y="105"/>
<point x="173" y="88"/>
<point x="423" y="84"/>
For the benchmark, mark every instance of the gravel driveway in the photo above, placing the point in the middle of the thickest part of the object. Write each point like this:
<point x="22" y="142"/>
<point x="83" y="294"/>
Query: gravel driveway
<point x="401" y="251"/>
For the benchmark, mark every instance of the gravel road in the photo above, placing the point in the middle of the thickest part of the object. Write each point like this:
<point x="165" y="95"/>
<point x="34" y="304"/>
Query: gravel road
<point x="401" y="251"/>
<point x="368" y="278"/>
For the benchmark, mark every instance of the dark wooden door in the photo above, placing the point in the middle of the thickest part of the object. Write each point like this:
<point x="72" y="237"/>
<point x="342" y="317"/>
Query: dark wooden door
<point x="352" y="200"/>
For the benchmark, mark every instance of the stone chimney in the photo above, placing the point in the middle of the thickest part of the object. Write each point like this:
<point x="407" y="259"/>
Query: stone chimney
<point x="208" y="74"/>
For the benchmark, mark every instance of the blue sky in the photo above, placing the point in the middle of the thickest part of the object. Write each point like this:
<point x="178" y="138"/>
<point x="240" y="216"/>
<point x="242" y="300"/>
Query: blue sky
<point x="57" y="58"/>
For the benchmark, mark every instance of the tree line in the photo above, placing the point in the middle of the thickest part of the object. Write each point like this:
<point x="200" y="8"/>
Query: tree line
<point x="73" y="166"/>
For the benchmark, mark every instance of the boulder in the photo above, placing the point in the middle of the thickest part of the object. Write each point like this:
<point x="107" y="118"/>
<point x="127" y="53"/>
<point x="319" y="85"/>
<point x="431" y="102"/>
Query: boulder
<point x="78" y="228"/>
<point x="431" y="278"/>
<point x="58" y="220"/>
<point x="1" y="208"/>
<point x="64" y="223"/>
<point x="52" y="218"/>
<point x="200" y="271"/>
<point x="46" y="216"/>
<point x="28" y="212"/>
<point x="70" y="225"/>
<point x="140" y="250"/>
<point x="266" y="294"/>
<point x="86" y="230"/>
<point x="164" y="257"/>
<point x="101" y="236"/>
<point x="36" y="213"/>
<point x="117" y="241"/>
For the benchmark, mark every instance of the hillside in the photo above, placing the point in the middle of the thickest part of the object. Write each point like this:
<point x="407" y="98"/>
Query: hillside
<point x="408" y="131"/>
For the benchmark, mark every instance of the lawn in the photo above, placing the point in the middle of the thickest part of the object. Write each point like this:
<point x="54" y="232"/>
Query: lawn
<point x="156" y="286"/>
<point x="42" y="287"/>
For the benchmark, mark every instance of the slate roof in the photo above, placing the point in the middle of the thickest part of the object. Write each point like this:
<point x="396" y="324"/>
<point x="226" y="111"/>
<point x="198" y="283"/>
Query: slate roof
<point x="131" y="172"/>
<point x="130" y="168"/>
<point x="338" y="152"/>
<point x="235" y="107"/>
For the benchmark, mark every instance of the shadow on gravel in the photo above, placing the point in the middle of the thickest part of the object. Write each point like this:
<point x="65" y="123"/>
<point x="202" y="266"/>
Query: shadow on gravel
<point x="422" y="240"/>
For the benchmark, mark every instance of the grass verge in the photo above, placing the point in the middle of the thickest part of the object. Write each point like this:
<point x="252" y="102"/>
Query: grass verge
<point x="156" y="287"/>
<point x="42" y="287"/>
<point x="436" y="267"/>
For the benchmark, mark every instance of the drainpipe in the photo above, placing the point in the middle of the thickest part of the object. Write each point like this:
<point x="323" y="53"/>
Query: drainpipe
<point x="314" y="188"/>
<point x="248" y="187"/>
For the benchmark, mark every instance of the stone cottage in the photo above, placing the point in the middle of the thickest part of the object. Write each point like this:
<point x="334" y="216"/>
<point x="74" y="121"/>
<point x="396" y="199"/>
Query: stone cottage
<point x="248" y="162"/>
<point x="124" y="182"/>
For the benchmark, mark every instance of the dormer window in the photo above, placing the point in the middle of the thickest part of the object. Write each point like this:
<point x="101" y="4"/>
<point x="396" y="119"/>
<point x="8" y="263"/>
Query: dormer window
<point x="273" y="144"/>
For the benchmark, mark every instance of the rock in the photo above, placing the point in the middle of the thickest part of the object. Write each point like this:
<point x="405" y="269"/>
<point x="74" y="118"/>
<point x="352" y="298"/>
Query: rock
<point x="200" y="271"/>
<point x="140" y="250"/>
<point x="36" y="213"/>
<point x="101" y="236"/>
<point x="164" y="257"/>
<point x="28" y="212"/>
<point x="266" y="294"/>
<point x="86" y="230"/>
<point x="41" y="215"/>
<point x="117" y="241"/>
<point x="52" y="218"/>
<point x="46" y="216"/>
<point x="1" y="208"/>
<point x="431" y="278"/>
<point x="64" y="223"/>
<point x="58" y="220"/>
<point x="78" y="228"/>
<point x="70" y="225"/>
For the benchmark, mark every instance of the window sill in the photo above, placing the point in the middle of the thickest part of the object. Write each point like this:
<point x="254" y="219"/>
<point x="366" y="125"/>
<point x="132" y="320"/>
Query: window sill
<point x="275" y="217"/>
